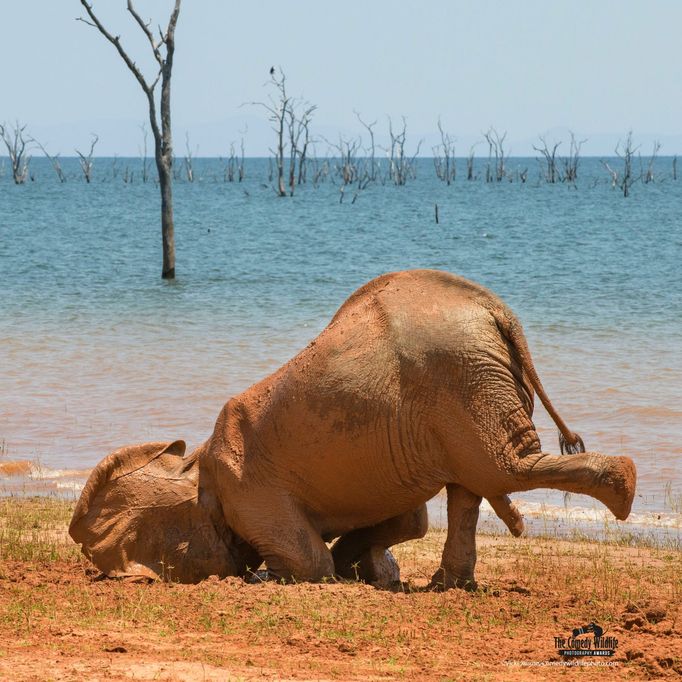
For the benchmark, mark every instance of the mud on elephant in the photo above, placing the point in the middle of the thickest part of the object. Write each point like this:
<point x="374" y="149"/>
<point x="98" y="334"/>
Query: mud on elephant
<point x="422" y="380"/>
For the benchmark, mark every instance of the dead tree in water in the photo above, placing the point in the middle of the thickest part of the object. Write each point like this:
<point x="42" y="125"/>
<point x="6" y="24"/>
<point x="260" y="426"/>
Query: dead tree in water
<point x="470" y="162"/>
<point x="612" y="172"/>
<point x="648" y="176"/>
<point x="495" y="147"/>
<point x="369" y="127"/>
<point x="401" y="167"/>
<point x="304" y="125"/>
<point x="549" y="170"/>
<point x="17" y="152"/>
<point x="320" y="171"/>
<point x="289" y="125"/>
<point x="277" y="109"/>
<point x="571" y="162"/>
<point x="189" y="160"/>
<point x="86" y="161"/>
<point x="294" y="134"/>
<point x="231" y="165"/>
<point x="242" y="165"/>
<point x="446" y="170"/>
<point x="143" y="154"/>
<point x="347" y="166"/>
<point x="624" y="151"/>
<point x="234" y="168"/>
<point x="160" y="120"/>
<point x="54" y="160"/>
<point x="297" y="125"/>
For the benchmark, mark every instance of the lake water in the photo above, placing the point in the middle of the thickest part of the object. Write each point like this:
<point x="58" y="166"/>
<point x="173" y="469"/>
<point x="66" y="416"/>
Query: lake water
<point x="96" y="351"/>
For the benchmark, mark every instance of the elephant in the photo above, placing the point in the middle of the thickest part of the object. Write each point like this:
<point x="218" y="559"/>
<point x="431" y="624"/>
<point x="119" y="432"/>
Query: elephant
<point x="422" y="380"/>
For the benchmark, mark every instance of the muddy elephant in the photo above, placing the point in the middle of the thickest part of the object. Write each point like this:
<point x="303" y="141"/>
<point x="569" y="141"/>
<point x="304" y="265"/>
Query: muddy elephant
<point x="422" y="380"/>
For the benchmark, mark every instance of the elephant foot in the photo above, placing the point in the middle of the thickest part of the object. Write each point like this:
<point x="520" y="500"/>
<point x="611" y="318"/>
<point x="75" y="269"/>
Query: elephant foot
<point x="375" y="566"/>
<point x="618" y="481"/>
<point x="444" y="580"/>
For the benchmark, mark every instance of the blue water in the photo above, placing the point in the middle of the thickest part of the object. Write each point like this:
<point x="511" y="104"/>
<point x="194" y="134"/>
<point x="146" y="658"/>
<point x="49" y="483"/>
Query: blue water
<point x="97" y="351"/>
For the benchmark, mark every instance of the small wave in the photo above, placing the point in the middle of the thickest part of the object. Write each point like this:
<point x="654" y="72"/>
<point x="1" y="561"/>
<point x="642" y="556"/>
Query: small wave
<point x="15" y="468"/>
<point x="42" y="473"/>
<point x="584" y="515"/>
<point x="36" y="472"/>
<point x="71" y="486"/>
<point x="650" y="411"/>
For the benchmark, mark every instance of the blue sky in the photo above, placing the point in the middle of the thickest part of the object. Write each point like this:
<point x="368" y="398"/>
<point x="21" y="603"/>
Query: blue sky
<point x="532" y="67"/>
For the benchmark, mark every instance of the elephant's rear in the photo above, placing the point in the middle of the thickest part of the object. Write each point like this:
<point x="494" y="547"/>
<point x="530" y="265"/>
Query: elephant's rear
<point x="460" y="363"/>
<point x="435" y="312"/>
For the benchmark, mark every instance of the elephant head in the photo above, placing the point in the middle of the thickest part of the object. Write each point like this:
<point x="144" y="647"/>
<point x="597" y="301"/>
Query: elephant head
<point x="139" y="515"/>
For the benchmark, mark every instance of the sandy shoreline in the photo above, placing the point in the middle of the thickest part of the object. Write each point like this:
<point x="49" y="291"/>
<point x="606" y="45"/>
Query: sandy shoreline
<point x="58" y="621"/>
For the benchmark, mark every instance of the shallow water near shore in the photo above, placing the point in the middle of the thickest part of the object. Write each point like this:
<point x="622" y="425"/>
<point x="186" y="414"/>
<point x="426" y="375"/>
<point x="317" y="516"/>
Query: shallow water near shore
<point x="96" y="351"/>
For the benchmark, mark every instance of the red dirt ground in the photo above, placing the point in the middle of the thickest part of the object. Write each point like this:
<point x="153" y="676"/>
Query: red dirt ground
<point x="58" y="621"/>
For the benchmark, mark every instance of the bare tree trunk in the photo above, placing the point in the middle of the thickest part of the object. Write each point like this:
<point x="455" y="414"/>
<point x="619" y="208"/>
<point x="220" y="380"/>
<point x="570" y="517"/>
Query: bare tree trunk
<point x="304" y="123"/>
<point x="54" y="160"/>
<point x="626" y="154"/>
<point x="496" y="146"/>
<point x="550" y="171"/>
<point x="446" y="170"/>
<point x="279" y="153"/>
<point x="400" y="167"/>
<point x="278" y="111"/>
<point x="241" y="160"/>
<point x="16" y="150"/>
<point x="189" y="161"/>
<point x="231" y="164"/>
<point x="649" y="175"/>
<point x="613" y="173"/>
<point x="624" y="151"/>
<point x="372" y="150"/>
<point x="572" y="161"/>
<point x="86" y="161"/>
<point x="160" y="121"/>
<point x="470" y="163"/>
<point x="167" y="225"/>
<point x="143" y="153"/>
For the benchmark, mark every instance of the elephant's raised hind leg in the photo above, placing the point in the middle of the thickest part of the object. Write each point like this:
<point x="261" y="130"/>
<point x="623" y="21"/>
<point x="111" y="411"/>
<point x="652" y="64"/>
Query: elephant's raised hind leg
<point x="363" y="553"/>
<point x="611" y="480"/>
<point x="459" y="553"/>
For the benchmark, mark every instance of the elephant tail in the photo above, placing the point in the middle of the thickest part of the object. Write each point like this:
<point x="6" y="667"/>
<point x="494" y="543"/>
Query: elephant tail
<point x="569" y="442"/>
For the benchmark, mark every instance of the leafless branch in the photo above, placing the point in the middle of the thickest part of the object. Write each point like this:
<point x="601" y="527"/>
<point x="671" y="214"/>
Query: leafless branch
<point x="86" y="160"/>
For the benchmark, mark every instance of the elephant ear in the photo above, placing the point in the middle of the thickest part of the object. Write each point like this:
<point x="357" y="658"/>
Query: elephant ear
<point x="139" y="515"/>
<point x="121" y="462"/>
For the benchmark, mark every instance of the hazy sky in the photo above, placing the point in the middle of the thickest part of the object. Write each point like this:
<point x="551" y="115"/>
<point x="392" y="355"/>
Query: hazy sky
<point x="531" y="67"/>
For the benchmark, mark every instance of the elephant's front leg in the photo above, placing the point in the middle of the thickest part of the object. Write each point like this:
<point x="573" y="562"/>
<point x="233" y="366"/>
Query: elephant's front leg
<point x="279" y="531"/>
<point x="364" y="554"/>
<point x="459" y="554"/>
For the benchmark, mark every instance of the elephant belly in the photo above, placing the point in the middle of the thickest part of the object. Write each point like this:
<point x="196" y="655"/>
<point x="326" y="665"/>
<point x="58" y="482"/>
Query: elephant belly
<point x="357" y="488"/>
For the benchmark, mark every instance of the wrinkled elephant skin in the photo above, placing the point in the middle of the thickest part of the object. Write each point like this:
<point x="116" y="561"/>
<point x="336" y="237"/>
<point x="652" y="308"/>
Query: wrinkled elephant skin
<point x="421" y="380"/>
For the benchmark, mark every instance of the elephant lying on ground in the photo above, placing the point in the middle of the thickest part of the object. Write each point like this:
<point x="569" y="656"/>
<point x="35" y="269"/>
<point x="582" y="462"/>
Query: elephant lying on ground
<point x="421" y="380"/>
